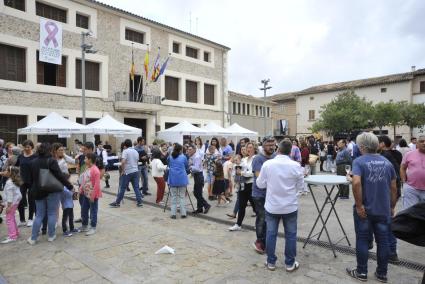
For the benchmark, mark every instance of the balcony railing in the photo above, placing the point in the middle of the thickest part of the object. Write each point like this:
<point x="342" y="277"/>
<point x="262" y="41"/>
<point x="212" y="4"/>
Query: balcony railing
<point x="137" y="98"/>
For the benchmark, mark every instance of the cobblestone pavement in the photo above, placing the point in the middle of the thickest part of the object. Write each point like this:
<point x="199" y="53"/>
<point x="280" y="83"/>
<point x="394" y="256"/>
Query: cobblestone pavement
<point x="123" y="250"/>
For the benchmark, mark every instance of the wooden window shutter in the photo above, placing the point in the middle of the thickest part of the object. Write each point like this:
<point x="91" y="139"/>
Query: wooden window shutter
<point x="40" y="70"/>
<point x="78" y="74"/>
<point x="61" y="73"/>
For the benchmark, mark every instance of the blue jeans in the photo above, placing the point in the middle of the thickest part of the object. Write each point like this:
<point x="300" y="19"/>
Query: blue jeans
<point x="260" y="220"/>
<point x="329" y="162"/>
<point x="290" y="227"/>
<point x="178" y="195"/>
<point x="381" y="229"/>
<point x="93" y="208"/>
<point x="144" y="176"/>
<point x="50" y="206"/>
<point x="125" y="181"/>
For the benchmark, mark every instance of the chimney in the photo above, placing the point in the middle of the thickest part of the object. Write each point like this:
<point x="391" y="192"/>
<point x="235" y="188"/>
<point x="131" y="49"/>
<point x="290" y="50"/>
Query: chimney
<point x="413" y="68"/>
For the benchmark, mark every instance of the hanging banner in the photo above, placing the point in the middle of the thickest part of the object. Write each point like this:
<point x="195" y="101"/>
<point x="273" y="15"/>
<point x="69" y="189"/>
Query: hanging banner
<point x="50" y="41"/>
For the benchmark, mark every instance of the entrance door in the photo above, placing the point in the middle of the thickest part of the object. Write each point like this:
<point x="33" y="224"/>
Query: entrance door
<point x="137" y="122"/>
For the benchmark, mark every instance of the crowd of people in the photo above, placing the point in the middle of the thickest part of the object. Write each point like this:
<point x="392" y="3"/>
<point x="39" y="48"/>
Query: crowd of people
<point x="268" y="176"/>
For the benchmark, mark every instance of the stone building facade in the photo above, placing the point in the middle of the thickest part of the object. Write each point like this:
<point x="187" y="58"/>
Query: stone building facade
<point x="249" y="112"/>
<point x="193" y="87"/>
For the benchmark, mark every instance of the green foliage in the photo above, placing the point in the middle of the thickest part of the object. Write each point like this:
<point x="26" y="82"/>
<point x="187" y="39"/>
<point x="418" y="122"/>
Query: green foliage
<point x="385" y="114"/>
<point x="413" y="115"/>
<point x="158" y="141"/>
<point x="345" y="113"/>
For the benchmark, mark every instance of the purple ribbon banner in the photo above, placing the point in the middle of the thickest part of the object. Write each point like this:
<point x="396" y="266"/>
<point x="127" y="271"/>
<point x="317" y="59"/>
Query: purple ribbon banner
<point x="52" y="29"/>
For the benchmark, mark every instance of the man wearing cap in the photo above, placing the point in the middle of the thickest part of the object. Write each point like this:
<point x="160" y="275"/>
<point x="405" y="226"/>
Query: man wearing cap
<point x="259" y="194"/>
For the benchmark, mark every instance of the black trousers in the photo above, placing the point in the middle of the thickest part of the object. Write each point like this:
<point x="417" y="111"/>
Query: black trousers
<point x="245" y="196"/>
<point x="344" y="189"/>
<point x="27" y="199"/>
<point x="197" y="190"/>
<point x="68" y="217"/>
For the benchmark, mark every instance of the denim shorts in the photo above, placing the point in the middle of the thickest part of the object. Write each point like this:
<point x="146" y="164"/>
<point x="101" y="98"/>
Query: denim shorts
<point x="209" y="177"/>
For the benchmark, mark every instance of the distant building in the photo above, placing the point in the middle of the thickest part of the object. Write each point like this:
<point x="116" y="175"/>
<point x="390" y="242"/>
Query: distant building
<point x="193" y="87"/>
<point x="409" y="86"/>
<point x="249" y="112"/>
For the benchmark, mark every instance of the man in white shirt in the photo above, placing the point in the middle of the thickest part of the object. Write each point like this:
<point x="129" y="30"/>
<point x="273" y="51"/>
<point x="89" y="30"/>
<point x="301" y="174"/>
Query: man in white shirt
<point x="412" y="144"/>
<point x="100" y="152"/>
<point x="282" y="178"/>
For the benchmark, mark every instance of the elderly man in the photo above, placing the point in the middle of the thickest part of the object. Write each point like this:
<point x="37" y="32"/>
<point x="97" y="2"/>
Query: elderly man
<point x="196" y="169"/>
<point x="412" y="173"/>
<point x="282" y="178"/>
<point x="375" y="195"/>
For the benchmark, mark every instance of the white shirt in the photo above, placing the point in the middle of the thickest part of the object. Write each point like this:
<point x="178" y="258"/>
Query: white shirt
<point x="158" y="168"/>
<point x="282" y="178"/>
<point x="412" y="146"/>
<point x="227" y="166"/>
<point x="131" y="157"/>
<point x="246" y="164"/>
<point x="350" y="148"/>
<point x="12" y="193"/>
<point x="104" y="155"/>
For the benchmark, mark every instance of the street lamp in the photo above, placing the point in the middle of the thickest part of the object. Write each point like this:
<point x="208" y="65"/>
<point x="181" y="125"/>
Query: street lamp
<point x="265" y="88"/>
<point x="85" y="48"/>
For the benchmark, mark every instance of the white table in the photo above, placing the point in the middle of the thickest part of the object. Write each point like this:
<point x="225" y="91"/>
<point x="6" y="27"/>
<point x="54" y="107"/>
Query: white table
<point x="326" y="181"/>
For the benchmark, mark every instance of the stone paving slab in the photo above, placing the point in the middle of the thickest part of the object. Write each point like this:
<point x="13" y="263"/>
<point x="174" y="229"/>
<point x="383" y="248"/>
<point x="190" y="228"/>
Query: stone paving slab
<point x="306" y="217"/>
<point x="123" y="250"/>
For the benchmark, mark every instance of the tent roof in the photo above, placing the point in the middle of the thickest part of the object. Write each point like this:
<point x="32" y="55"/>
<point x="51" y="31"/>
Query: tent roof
<point x="54" y="123"/>
<point x="184" y="128"/>
<point x="238" y="130"/>
<point x="109" y="125"/>
<point x="215" y="129"/>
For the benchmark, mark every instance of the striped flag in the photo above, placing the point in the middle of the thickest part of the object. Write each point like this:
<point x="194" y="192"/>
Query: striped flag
<point x="161" y="71"/>
<point x="132" y="67"/>
<point x="155" y="70"/>
<point x="146" y="63"/>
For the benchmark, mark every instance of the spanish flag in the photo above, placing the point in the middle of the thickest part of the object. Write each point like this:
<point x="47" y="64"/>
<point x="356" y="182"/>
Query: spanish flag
<point x="132" y="67"/>
<point x="146" y="63"/>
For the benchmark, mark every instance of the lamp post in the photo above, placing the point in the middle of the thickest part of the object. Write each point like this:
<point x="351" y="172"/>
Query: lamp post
<point x="265" y="88"/>
<point x="85" y="48"/>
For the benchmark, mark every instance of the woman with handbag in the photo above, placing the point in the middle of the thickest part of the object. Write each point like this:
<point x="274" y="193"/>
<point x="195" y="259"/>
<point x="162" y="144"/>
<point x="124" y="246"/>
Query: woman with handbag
<point x="47" y="182"/>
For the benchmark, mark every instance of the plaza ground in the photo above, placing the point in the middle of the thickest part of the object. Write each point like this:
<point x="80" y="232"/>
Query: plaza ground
<point x="123" y="250"/>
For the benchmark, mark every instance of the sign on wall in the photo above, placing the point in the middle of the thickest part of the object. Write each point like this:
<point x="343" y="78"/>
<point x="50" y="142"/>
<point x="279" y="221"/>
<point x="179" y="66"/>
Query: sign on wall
<point x="50" y="41"/>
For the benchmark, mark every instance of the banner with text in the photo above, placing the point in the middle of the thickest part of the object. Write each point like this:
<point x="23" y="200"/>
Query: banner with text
<point x="50" y="41"/>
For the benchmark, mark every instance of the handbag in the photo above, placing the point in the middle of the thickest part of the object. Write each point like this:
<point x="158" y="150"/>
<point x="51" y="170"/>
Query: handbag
<point x="312" y="159"/>
<point x="48" y="182"/>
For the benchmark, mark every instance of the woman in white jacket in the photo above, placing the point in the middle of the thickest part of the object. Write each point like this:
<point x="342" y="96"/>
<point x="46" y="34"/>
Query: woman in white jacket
<point x="158" y="169"/>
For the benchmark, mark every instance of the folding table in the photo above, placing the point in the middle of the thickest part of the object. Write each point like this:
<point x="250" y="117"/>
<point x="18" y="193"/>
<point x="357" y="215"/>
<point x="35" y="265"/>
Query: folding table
<point x="326" y="181"/>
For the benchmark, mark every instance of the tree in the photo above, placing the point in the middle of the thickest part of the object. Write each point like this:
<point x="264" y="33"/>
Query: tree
<point x="413" y="115"/>
<point x="386" y="114"/>
<point x="345" y="113"/>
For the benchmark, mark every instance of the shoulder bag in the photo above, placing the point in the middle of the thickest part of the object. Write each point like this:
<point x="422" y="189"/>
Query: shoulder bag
<point x="48" y="182"/>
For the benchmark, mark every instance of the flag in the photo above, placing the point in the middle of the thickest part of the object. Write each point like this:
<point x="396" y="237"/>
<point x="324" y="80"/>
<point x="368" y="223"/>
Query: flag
<point x="146" y="63"/>
<point x="164" y="65"/>
<point x="132" y="67"/>
<point x="155" y="71"/>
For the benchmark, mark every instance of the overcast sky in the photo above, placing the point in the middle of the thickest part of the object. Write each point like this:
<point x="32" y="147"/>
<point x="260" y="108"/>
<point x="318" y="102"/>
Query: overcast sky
<point x="298" y="44"/>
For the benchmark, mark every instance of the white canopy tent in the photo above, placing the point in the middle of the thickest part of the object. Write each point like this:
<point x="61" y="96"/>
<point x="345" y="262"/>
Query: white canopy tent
<point x="55" y="124"/>
<point x="176" y="133"/>
<point x="240" y="131"/>
<point x="215" y="129"/>
<point x="109" y="125"/>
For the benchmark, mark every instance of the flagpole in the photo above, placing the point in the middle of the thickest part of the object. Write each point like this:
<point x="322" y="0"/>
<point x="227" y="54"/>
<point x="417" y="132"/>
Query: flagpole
<point x="132" y="67"/>
<point x="138" y="90"/>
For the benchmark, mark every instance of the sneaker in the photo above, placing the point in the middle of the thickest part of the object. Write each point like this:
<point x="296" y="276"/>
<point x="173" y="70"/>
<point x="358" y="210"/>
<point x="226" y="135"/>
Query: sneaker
<point x="114" y="205"/>
<point x="8" y="240"/>
<point x="139" y="204"/>
<point x="381" y="278"/>
<point x="173" y="217"/>
<point x="197" y="211"/>
<point x="235" y="227"/>
<point x="270" y="266"/>
<point x="90" y="232"/>
<point x="393" y="259"/>
<point x="21" y="224"/>
<point x="51" y="239"/>
<point x="258" y="247"/>
<point x="31" y="241"/>
<point x="84" y="229"/>
<point x="75" y="231"/>
<point x="304" y="193"/>
<point x="107" y="186"/>
<point x="207" y="209"/>
<point x="353" y="273"/>
<point x="231" y="216"/>
<point x="67" y="234"/>
<point x="184" y="216"/>
<point x="29" y="223"/>
<point x="78" y="220"/>
<point x="294" y="267"/>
